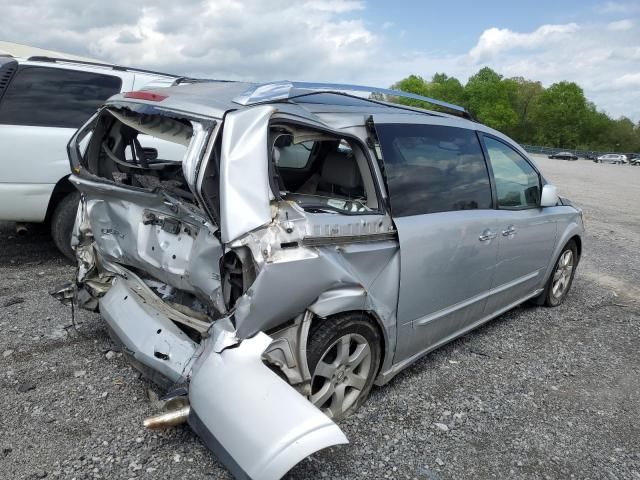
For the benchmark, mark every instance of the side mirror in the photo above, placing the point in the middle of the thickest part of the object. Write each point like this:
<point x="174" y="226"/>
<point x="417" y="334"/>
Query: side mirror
<point x="549" y="197"/>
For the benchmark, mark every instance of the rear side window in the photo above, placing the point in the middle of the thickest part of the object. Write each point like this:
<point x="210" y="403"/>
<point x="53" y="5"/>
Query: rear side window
<point x="53" y="97"/>
<point x="433" y="168"/>
<point x="517" y="183"/>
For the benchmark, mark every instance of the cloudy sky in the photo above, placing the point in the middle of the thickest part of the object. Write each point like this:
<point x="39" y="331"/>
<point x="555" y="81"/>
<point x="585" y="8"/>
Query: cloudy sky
<point x="595" y="43"/>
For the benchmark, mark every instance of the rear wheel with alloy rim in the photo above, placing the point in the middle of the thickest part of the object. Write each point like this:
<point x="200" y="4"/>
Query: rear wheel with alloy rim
<point x="344" y="356"/>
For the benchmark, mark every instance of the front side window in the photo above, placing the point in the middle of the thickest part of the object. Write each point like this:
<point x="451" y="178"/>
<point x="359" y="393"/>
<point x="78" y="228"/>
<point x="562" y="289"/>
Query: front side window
<point x="55" y="97"/>
<point x="433" y="168"/>
<point x="517" y="183"/>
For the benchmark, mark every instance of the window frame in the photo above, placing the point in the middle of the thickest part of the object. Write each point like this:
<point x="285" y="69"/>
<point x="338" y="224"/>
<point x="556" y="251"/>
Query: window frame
<point x="382" y="205"/>
<point x="494" y="191"/>
<point x="49" y="68"/>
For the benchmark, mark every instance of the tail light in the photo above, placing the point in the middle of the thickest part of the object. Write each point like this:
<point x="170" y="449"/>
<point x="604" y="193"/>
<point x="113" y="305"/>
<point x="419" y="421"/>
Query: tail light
<point x="141" y="95"/>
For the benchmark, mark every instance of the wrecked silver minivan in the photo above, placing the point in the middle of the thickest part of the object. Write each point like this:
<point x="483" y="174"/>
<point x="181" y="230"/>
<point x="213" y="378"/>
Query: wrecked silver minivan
<point x="313" y="240"/>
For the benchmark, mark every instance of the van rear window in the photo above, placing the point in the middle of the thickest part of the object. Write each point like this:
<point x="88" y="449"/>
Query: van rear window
<point x="55" y="97"/>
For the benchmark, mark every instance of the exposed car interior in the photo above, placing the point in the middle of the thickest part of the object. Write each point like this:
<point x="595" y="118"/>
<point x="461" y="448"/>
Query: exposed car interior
<point x="322" y="173"/>
<point x="142" y="151"/>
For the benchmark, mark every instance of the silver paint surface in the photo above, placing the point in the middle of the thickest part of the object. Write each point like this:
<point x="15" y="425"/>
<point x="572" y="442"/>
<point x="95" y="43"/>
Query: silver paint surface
<point x="423" y="280"/>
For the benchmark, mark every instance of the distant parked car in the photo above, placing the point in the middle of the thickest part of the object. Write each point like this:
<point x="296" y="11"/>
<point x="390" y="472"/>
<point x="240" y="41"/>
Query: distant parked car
<point x="43" y="101"/>
<point x="564" y="156"/>
<point x="616" y="158"/>
<point x="634" y="159"/>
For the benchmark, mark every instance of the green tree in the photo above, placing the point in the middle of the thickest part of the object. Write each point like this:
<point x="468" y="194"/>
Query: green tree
<point x="412" y="84"/>
<point x="441" y="87"/>
<point x="559" y="115"/>
<point x="489" y="99"/>
<point x="524" y="94"/>
<point x="449" y="89"/>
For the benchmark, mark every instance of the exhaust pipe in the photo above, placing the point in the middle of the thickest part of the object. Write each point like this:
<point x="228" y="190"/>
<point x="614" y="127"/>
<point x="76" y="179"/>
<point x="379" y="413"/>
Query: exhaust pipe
<point x="21" y="228"/>
<point x="169" y="419"/>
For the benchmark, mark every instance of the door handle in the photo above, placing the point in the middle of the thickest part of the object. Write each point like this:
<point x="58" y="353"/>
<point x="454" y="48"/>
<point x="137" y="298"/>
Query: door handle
<point x="510" y="230"/>
<point x="487" y="235"/>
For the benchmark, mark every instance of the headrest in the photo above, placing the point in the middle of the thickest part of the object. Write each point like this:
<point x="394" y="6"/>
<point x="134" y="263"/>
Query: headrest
<point x="341" y="168"/>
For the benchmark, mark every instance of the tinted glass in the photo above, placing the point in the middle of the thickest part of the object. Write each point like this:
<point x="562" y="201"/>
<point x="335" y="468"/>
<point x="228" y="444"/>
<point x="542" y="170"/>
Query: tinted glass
<point x="433" y="168"/>
<point x="517" y="183"/>
<point x="55" y="97"/>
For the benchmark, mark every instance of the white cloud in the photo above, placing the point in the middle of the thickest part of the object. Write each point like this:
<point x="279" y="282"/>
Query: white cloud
<point x="233" y="39"/>
<point x="335" y="6"/>
<point x="628" y="80"/>
<point x="323" y="40"/>
<point x="602" y="62"/>
<point x="620" y="25"/>
<point x="618" y="7"/>
<point x="496" y="40"/>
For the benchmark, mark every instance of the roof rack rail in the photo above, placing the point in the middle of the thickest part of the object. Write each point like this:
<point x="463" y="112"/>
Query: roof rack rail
<point x="286" y="90"/>
<point x="41" y="58"/>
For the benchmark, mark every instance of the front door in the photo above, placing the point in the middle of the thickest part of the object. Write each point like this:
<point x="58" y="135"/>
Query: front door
<point x="441" y="201"/>
<point x="527" y="232"/>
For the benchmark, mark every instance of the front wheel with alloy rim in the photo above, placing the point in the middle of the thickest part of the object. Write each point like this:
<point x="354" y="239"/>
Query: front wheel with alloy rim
<point x="343" y="355"/>
<point x="561" y="278"/>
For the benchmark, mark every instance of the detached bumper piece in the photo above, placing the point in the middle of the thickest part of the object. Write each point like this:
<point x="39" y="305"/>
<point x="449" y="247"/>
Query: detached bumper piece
<point x="152" y="341"/>
<point x="258" y="426"/>
<point x="255" y="423"/>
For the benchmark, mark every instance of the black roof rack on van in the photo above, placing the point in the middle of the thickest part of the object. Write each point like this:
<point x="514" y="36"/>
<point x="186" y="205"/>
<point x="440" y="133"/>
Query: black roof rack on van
<point x="40" y="58"/>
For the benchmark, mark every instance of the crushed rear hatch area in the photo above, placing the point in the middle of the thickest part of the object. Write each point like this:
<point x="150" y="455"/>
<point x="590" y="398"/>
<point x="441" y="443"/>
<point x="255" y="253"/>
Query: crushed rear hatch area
<point x="151" y="260"/>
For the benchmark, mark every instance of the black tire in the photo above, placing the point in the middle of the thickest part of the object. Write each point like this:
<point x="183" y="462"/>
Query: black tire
<point x="547" y="297"/>
<point x="322" y="337"/>
<point x="62" y="220"/>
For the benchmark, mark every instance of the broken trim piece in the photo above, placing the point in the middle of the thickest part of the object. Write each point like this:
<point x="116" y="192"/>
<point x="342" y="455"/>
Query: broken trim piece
<point x="253" y="420"/>
<point x="348" y="239"/>
<point x="244" y="172"/>
<point x="137" y="286"/>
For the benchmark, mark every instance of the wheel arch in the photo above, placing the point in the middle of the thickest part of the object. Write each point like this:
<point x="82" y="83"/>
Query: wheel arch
<point x="63" y="188"/>
<point x="354" y="300"/>
<point x="573" y="231"/>
<point x="578" y="241"/>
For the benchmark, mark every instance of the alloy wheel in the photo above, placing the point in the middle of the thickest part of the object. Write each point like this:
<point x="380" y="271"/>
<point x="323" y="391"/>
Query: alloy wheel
<point x="341" y="375"/>
<point x="562" y="275"/>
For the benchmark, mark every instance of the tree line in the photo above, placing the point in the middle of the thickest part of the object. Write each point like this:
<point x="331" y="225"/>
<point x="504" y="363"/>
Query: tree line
<point x="559" y="116"/>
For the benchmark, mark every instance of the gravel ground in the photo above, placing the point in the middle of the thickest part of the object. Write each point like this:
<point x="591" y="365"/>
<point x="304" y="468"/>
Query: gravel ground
<point x="537" y="393"/>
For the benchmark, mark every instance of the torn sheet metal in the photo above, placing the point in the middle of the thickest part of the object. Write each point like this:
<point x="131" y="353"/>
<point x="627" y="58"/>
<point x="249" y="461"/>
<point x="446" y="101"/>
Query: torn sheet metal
<point x="162" y="127"/>
<point x="255" y="423"/>
<point x="146" y="231"/>
<point x="92" y="282"/>
<point x="244" y="172"/>
<point x="146" y="333"/>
